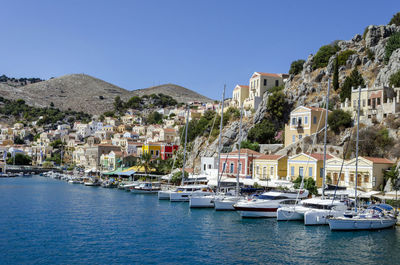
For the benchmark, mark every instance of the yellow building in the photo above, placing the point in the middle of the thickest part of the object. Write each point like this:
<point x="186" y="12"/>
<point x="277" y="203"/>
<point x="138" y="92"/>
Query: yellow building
<point x="153" y="148"/>
<point x="304" y="121"/>
<point x="271" y="167"/>
<point x="370" y="172"/>
<point x="240" y="93"/>
<point x="307" y="165"/>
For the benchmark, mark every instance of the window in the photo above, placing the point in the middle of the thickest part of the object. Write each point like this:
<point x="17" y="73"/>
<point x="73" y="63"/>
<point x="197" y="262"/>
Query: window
<point x="315" y="119"/>
<point x="293" y="121"/>
<point x="321" y="172"/>
<point x="363" y="102"/>
<point x="299" y="121"/>
<point x="276" y="82"/>
<point x="223" y="167"/>
<point x="205" y="166"/>
<point x="231" y="167"/>
<point x="301" y="171"/>
<point x="351" y="177"/>
<point x="272" y="171"/>
<point x="342" y="177"/>
<point x="157" y="153"/>
<point x="378" y="101"/>
<point x="292" y="171"/>
<point x="240" y="167"/>
<point x="369" y="102"/>
<point x="151" y="152"/>
<point x="209" y="166"/>
<point x="293" y="138"/>
<point x="300" y="136"/>
<point x="305" y="120"/>
<point x="258" y="170"/>
<point x="264" y="171"/>
<point x="366" y="179"/>
<point x="265" y="82"/>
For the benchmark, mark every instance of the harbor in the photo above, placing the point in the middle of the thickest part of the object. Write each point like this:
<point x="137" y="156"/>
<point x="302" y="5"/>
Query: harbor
<point x="45" y="220"/>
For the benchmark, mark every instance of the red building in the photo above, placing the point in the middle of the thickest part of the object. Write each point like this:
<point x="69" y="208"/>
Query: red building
<point x="229" y="166"/>
<point x="167" y="150"/>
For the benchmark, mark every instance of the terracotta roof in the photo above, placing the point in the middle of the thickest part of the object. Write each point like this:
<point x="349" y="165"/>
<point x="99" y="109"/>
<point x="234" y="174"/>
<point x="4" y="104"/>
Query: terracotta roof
<point x="378" y="160"/>
<point x="267" y="74"/>
<point x="320" y="156"/>
<point x="270" y="157"/>
<point x="316" y="109"/>
<point x="239" y="86"/>
<point x="169" y="130"/>
<point x="245" y="151"/>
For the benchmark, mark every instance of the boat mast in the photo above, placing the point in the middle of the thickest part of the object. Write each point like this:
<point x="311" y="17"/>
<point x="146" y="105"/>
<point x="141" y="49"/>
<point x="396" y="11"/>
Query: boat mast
<point x="325" y="132"/>
<point x="239" y="142"/>
<point x="358" y="129"/>
<point x="219" y="140"/>
<point x="184" y="150"/>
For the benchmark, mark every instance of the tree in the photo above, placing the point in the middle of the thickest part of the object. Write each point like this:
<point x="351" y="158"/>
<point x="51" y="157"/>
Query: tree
<point x="392" y="44"/>
<point x="19" y="140"/>
<point x="249" y="145"/>
<point x="20" y="159"/>
<point x="309" y="184"/>
<point x="263" y="133"/>
<point x="355" y="80"/>
<point x="339" y="120"/>
<point x="118" y="104"/>
<point x="394" y="79"/>
<point x="145" y="161"/>
<point x="177" y="177"/>
<point x="277" y="105"/>
<point x="395" y="19"/>
<point x="336" y="75"/>
<point x="154" y="118"/>
<point x="296" y="67"/>
<point x="321" y="58"/>
<point x="56" y="144"/>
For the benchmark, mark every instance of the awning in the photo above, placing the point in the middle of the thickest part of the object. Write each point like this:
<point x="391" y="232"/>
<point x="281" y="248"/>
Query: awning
<point x="139" y="169"/>
<point x="126" y="173"/>
<point x="114" y="172"/>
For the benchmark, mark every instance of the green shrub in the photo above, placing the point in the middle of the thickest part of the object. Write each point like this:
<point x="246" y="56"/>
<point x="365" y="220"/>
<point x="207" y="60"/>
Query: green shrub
<point x="392" y="44"/>
<point x="365" y="32"/>
<point x="296" y="67"/>
<point x="355" y="79"/>
<point x="263" y="133"/>
<point x="395" y="19"/>
<point x="309" y="184"/>
<point x="339" y="120"/>
<point x="370" y="54"/>
<point x="394" y="79"/>
<point x="344" y="56"/>
<point x="249" y="145"/>
<point x="321" y="58"/>
<point x="277" y="105"/>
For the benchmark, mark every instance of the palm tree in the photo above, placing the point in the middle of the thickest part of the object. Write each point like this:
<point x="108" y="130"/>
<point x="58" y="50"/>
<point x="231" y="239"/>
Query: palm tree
<point x="145" y="161"/>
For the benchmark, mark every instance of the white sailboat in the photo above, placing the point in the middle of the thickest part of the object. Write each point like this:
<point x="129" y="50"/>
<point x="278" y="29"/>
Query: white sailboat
<point x="203" y="200"/>
<point x="316" y="210"/>
<point x="225" y="202"/>
<point x="375" y="217"/>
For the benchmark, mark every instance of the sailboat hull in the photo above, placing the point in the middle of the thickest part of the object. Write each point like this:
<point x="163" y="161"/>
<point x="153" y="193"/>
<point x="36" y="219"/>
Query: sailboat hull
<point x="360" y="224"/>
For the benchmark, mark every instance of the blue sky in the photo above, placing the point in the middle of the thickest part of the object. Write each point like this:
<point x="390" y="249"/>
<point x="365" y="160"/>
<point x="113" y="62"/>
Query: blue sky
<point x="201" y="45"/>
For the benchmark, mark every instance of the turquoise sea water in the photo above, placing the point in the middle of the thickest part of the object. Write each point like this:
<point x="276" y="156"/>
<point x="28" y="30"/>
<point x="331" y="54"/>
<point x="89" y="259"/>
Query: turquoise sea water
<point x="46" y="221"/>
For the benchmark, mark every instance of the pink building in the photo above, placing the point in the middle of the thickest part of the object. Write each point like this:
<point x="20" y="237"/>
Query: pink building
<point x="228" y="165"/>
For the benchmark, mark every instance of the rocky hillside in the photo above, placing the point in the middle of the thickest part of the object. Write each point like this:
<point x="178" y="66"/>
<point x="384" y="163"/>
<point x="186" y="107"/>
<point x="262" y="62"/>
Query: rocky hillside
<point x="80" y="92"/>
<point x="367" y="54"/>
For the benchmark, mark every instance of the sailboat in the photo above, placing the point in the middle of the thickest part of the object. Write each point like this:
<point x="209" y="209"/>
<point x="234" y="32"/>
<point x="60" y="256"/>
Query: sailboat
<point x="201" y="199"/>
<point x="374" y="217"/>
<point x="315" y="211"/>
<point x="225" y="202"/>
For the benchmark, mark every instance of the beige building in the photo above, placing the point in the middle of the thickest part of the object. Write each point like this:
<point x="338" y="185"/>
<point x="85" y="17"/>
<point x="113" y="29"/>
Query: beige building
<point x="304" y="121"/>
<point x="271" y="167"/>
<point x="370" y="172"/>
<point x="240" y="93"/>
<point x="260" y="83"/>
<point x="376" y="102"/>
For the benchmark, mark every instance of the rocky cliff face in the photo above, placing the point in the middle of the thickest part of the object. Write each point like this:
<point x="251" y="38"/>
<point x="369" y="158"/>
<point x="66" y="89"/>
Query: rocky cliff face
<point x="310" y="85"/>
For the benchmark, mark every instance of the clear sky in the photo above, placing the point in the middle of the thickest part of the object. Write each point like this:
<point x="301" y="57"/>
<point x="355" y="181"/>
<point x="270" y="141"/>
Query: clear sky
<point x="201" y="45"/>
